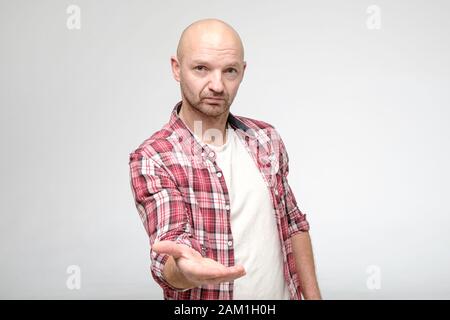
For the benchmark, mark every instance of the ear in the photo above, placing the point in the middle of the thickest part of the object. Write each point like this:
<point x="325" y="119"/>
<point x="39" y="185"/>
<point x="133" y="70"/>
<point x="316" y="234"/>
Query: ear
<point x="244" y="65"/>
<point x="175" y="68"/>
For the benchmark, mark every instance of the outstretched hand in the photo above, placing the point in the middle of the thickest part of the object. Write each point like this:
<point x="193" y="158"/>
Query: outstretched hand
<point x="195" y="268"/>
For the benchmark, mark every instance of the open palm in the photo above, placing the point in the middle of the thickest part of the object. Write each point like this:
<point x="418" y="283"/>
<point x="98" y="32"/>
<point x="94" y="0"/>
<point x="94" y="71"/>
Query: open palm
<point x="195" y="268"/>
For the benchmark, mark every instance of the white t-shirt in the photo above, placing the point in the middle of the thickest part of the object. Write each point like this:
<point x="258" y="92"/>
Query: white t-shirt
<point x="253" y="224"/>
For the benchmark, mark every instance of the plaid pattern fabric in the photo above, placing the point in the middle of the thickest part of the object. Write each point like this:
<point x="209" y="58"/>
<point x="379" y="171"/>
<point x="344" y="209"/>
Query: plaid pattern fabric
<point x="181" y="197"/>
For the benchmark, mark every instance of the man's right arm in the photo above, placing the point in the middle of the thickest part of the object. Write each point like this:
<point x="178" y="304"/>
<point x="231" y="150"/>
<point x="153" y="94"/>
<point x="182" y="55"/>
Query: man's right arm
<point x="177" y="263"/>
<point x="162" y="211"/>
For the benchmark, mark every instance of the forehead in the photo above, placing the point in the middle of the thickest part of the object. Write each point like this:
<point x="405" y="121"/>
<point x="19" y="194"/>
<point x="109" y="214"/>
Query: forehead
<point x="224" y="46"/>
<point x="213" y="54"/>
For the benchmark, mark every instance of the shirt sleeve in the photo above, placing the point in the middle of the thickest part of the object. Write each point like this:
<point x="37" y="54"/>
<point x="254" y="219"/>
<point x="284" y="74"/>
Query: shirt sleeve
<point x="296" y="218"/>
<point x="162" y="210"/>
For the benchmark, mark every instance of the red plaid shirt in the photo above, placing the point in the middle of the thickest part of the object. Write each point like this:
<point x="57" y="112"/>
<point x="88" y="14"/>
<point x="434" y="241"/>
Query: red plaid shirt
<point x="180" y="197"/>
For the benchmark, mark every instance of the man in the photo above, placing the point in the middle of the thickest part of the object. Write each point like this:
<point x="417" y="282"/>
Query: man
<point x="211" y="187"/>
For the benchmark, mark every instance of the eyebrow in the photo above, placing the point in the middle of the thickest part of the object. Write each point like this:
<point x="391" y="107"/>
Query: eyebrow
<point x="233" y="64"/>
<point x="196" y="61"/>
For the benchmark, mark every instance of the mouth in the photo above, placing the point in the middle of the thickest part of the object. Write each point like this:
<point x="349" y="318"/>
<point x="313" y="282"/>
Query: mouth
<point x="213" y="100"/>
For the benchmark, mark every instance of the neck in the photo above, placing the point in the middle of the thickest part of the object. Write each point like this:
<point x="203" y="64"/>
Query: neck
<point x="210" y="129"/>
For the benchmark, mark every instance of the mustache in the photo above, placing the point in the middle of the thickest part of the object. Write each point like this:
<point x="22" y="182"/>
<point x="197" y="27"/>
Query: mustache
<point x="215" y="97"/>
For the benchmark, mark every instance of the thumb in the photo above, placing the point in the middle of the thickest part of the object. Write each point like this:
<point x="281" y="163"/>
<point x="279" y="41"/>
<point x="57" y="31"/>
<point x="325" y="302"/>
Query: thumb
<point x="169" y="247"/>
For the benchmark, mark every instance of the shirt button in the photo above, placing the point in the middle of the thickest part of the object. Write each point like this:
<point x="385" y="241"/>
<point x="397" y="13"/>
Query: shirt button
<point x="227" y="207"/>
<point x="219" y="174"/>
<point x="211" y="154"/>
<point x="230" y="243"/>
<point x="276" y="192"/>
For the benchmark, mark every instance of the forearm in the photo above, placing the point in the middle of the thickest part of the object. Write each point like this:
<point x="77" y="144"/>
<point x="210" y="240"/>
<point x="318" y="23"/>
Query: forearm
<point x="304" y="260"/>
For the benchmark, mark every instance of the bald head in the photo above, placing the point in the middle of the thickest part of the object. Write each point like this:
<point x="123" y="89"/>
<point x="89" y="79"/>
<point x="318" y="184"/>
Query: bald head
<point x="209" y="33"/>
<point x="209" y="67"/>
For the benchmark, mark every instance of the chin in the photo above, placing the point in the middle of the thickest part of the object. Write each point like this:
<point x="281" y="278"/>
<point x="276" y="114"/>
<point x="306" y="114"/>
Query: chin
<point x="213" y="109"/>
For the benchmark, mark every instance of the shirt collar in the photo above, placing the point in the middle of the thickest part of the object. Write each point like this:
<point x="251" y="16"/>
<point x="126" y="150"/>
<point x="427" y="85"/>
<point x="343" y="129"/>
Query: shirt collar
<point x="191" y="143"/>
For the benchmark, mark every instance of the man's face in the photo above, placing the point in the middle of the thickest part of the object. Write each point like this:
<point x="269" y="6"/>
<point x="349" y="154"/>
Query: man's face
<point x="210" y="74"/>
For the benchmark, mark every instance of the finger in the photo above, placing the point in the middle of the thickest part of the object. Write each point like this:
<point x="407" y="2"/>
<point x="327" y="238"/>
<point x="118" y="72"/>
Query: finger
<point x="223" y="279"/>
<point x="238" y="269"/>
<point x="210" y="269"/>
<point x="217" y="281"/>
<point x="168" y="247"/>
<point x="225" y="273"/>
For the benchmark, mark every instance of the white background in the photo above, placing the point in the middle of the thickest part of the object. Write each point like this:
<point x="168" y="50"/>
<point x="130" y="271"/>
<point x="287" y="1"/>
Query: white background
<point x="364" y="114"/>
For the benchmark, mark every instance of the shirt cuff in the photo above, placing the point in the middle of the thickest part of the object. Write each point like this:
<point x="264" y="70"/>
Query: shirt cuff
<point x="297" y="222"/>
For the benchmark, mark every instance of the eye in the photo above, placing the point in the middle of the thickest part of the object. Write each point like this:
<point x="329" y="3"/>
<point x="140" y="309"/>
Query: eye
<point x="231" y="70"/>
<point x="200" y="68"/>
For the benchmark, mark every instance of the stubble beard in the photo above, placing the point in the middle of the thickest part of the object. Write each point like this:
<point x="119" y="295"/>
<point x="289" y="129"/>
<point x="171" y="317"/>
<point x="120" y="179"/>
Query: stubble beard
<point x="206" y="109"/>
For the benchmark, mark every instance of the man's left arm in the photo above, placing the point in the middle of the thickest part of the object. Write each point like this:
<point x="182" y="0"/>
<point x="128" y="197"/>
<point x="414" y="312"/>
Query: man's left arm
<point x="304" y="261"/>
<point x="299" y="233"/>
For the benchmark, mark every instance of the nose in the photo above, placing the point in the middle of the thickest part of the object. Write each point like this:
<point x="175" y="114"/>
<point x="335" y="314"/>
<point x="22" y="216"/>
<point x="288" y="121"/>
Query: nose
<point x="215" y="83"/>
